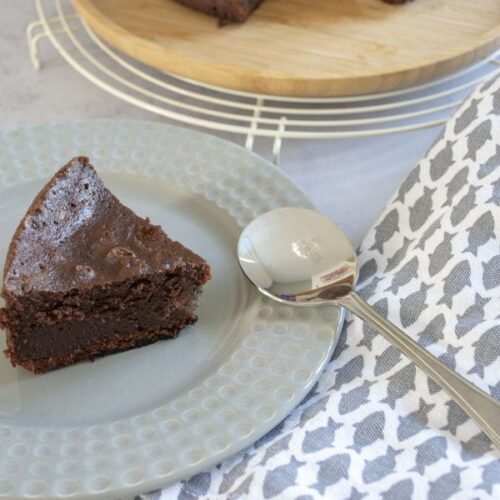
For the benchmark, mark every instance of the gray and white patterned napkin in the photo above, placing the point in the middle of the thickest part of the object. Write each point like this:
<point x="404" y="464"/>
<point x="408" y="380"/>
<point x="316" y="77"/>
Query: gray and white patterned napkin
<point x="375" y="426"/>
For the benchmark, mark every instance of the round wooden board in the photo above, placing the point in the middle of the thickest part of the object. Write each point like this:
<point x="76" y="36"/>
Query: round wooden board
<point x="303" y="47"/>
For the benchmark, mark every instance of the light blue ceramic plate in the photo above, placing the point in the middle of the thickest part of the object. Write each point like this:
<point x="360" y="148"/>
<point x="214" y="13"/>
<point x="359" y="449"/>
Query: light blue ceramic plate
<point x="135" y="421"/>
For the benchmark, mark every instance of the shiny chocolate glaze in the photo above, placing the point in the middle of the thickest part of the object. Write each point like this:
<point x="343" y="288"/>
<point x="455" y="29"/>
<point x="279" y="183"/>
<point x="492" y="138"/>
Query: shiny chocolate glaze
<point x="76" y="235"/>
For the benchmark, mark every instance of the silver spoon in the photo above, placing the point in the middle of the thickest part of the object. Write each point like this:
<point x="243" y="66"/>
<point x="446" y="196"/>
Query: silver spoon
<point x="299" y="257"/>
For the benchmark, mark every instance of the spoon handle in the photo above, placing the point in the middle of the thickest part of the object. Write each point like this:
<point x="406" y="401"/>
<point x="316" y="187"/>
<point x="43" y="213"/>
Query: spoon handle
<point x="477" y="404"/>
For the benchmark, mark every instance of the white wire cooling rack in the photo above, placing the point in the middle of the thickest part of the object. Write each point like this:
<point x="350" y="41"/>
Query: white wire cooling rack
<point x="250" y="115"/>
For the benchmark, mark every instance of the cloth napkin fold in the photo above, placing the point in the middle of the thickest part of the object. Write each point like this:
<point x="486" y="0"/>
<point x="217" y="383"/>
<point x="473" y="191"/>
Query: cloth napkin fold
<point x="375" y="426"/>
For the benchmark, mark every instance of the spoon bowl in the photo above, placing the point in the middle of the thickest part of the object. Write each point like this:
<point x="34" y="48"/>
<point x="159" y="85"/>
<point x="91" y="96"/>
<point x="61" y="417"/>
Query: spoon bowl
<point x="299" y="257"/>
<point x="310" y="260"/>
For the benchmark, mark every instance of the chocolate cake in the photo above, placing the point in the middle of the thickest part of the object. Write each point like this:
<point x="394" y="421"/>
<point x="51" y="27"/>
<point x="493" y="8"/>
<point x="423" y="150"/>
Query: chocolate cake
<point x="237" y="11"/>
<point x="228" y="11"/>
<point x="85" y="276"/>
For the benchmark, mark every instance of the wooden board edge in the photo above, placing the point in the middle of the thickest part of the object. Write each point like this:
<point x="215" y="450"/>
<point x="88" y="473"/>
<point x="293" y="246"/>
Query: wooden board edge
<point x="239" y="79"/>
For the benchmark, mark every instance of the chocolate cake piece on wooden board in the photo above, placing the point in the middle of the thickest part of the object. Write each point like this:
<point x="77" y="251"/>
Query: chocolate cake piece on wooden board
<point x="228" y="11"/>
<point x="238" y="11"/>
<point x="85" y="276"/>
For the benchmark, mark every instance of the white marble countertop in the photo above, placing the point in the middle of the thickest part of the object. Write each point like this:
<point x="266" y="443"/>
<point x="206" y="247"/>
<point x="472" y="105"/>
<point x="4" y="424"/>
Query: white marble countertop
<point x="349" y="180"/>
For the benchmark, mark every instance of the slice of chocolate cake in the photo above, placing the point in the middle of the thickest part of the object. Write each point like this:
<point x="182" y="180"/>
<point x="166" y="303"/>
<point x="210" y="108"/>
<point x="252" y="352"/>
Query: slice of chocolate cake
<point x="228" y="11"/>
<point x="85" y="276"/>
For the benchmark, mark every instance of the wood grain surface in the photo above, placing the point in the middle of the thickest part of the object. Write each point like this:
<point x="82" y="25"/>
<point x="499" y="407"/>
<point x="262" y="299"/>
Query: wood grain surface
<point x="303" y="47"/>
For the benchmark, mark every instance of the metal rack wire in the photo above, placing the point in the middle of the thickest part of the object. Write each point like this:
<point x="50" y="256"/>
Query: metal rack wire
<point x="250" y="115"/>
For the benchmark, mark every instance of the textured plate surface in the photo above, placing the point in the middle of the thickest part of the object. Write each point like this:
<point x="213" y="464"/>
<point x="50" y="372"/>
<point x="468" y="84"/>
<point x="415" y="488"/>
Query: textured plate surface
<point x="138" y="420"/>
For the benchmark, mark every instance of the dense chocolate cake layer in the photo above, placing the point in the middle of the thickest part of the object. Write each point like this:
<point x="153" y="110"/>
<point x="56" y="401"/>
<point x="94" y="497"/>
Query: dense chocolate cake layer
<point x="144" y="305"/>
<point x="85" y="276"/>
